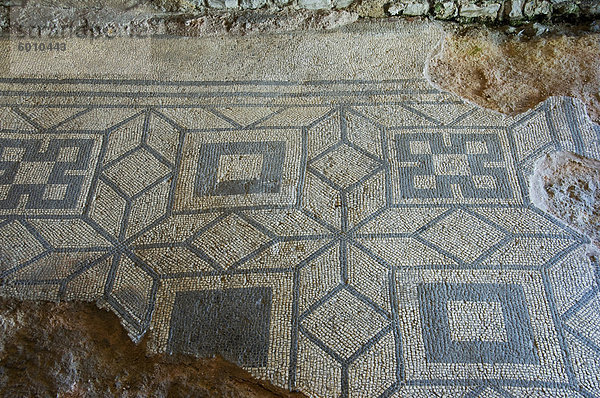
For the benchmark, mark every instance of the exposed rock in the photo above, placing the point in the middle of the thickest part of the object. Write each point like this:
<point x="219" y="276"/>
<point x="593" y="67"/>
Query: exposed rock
<point x="4" y="22"/>
<point x="540" y="29"/>
<point x="562" y="8"/>
<point x="315" y="4"/>
<point x="567" y="186"/>
<point x="480" y="9"/>
<point x="445" y="9"/>
<point x="78" y="350"/>
<point x="511" y="75"/>
<point x="537" y="8"/>
<point x="516" y="9"/>
<point x="409" y="7"/>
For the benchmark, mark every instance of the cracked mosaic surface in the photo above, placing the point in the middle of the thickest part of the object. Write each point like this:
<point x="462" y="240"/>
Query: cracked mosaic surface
<point x="354" y="240"/>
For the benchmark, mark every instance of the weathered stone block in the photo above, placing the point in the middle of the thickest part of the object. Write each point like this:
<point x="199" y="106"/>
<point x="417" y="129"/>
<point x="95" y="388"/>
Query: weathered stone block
<point x="516" y="9"/>
<point x="342" y="3"/>
<point x="485" y="10"/>
<point x="252" y="4"/>
<point x="216" y="4"/>
<point x="445" y="9"/>
<point x="417" y="8"/>
<point x="537" y="8"/>
<point x="315" y="4"/>
<point x="564" y="7"/>
<point x="409" y="7"/>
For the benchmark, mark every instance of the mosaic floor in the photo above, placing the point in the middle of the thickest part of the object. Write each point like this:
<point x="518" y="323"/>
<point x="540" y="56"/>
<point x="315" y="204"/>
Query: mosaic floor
<point x="344" y="238"/>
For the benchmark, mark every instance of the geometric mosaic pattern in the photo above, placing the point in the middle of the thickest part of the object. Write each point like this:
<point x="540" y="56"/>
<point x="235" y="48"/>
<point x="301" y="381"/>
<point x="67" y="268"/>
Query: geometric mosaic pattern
<point x="45" y="174"/>
<point x="453" y="166"/>
<point x="338" y="243"/>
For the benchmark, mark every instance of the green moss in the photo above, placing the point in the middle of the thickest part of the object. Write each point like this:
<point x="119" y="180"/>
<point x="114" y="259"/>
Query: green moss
<point x="474" y="51"/>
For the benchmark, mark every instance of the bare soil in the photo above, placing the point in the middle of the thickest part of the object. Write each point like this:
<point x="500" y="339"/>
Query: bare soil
<point x="511" y="74"/>
<point x="78" y="350"/>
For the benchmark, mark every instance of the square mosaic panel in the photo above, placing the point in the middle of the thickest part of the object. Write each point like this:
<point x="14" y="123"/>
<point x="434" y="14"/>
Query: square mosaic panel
<point x="244" y="318"/>
<point x="452" y="166"/>
<point x="483" y="327"/>
<point x="222" y="169"/>
<point x="47" y="174"/>
<point x="218" y="323"/>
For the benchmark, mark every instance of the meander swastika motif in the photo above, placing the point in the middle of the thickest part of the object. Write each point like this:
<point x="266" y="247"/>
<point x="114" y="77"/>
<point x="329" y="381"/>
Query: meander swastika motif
<point x="45" y="173"/>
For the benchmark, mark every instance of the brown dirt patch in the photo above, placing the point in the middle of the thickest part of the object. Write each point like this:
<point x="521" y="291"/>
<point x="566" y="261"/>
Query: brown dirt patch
<point x="78" y="350"/>
<point x="510" y="74"/>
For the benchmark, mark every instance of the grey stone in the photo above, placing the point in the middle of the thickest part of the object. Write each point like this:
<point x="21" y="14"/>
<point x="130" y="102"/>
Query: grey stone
<point x="216" y="3"/>
<point x="445" y="9"/>
<point x="409" y="7"/>
<point x="567" y="186"/>
<point x="3" y="18"/>
<point x="540" y="29"/>
<point x="222" y="4"/>
<point x="252" y="4"/>
<point x="315" y="4"/>
<point x="516" y="9"/>
<point x="481" y="10"/>
<point x="537" y="8"/>
<point x="396" y="8"/>
<point x="342" y="3"/>
<point x="417" y="8"/>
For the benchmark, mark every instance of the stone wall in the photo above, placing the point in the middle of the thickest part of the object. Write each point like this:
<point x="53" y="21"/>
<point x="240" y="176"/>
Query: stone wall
<point x="460" y="10"/>
<point x="213" y="16"/>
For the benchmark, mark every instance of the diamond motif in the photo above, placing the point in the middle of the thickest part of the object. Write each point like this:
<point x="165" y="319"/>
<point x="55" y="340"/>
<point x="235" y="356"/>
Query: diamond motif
<point x="230" y="240"/>
<point x="344" y="323"/>
<point x="344" y="165"/>
<point x="463" y="235"/>
<point x="136" y="171"/>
